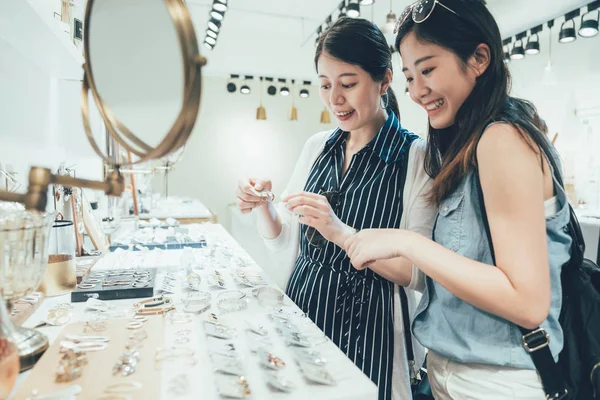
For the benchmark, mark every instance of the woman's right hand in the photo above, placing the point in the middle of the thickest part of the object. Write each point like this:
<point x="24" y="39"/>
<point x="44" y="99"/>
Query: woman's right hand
<point x="247" y="200"/>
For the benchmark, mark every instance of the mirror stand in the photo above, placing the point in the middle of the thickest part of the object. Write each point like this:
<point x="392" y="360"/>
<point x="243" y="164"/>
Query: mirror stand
<point x="40" y="179"/>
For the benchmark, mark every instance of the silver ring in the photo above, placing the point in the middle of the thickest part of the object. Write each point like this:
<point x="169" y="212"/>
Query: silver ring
<point x="86" y="285"/>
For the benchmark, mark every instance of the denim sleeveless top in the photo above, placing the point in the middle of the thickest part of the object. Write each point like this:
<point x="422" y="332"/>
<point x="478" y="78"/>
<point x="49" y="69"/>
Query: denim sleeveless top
<point x="463" y="333"/>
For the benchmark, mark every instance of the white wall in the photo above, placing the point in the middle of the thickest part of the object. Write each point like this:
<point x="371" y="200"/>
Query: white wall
<point x="228" y="143"/>
<point x="572" y="83"/>
<point x="41" y="120"/>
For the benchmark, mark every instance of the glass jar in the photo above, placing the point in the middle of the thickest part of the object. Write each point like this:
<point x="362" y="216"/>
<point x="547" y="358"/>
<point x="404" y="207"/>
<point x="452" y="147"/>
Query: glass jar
<point x="9" y="355"/>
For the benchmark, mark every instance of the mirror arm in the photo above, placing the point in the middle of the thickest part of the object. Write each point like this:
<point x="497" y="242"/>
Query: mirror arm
<point x="12" y="197"/>
<point x="36" y="197"/>
<point x="201" y="60"/>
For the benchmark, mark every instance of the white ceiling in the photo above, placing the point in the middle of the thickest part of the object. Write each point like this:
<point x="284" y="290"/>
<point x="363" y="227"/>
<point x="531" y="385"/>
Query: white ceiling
<point x="275" y="37"/>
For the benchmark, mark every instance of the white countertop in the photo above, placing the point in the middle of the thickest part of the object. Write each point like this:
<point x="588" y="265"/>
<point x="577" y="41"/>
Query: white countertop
<point x="178" y="207"/>
<point x="351" y="382"/>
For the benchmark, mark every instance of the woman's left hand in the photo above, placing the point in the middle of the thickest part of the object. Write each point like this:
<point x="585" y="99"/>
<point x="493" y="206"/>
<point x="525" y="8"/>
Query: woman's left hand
<point x="315" y="211"/>
<point x="370" y="245"/>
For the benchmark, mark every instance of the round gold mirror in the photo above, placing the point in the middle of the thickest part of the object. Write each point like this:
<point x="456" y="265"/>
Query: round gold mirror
<point x="143" y="69"/>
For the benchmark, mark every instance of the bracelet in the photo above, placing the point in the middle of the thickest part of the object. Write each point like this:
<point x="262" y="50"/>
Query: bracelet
<point x="179" y="318"/>
<point x="232" y="300"/>
<point x="196" y="309"/>
<point x="154" y="311"/>
<point x="269" y="296"/>
<point x="86" y="285"/>
<point x="153" y="302"/>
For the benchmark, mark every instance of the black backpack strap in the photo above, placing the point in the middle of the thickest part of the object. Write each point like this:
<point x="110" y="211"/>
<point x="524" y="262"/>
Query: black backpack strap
<point x="535" y="341"/>
<point x="410" y="354"/>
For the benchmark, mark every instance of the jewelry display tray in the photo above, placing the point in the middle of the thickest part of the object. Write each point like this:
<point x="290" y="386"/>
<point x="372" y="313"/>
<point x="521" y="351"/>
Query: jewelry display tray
<point x="163" y="246"/>
<point x="114" y="292"/>
<point x="97" y="374"/>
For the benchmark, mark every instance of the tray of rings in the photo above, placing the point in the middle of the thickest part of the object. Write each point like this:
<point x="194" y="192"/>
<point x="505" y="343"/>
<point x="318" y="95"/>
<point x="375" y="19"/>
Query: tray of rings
<point x="115" y="284"/>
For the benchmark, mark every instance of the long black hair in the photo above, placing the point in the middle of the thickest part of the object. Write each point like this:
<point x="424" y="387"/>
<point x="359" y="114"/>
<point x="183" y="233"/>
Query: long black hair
<point x="451" y="152"/>
<point x="359" y="42"/>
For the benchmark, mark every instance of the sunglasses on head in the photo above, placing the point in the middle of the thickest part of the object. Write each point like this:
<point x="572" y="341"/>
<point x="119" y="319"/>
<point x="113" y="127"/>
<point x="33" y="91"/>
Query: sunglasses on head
<point x="420" y="11"/>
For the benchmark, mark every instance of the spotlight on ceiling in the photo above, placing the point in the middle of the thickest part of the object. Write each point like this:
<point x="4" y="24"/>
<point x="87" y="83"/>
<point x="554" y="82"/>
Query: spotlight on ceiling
<point x="533" y="46"/>
<point x="245" y="89"/>
<point x="506" y="55"/>
<point x="342" y="10"/>
<point x="518" y="52"/>
<point x="304" y="91"/>
<point x="353" y="10"/>
<point x="208" y="45"/>
<point x="271" y="89"/>
<point x="366" y="2"/>
<point x="220" y="5"/>
<point x="284" y="91"/>
<point x="211" y="33"/>
<point x="568" y="34"/>
<point x="506" y="48"/>
<point x="210" y="40"/>
<point x="231" y="87"/>
<point x="589" y="28"/>
<point x="214" y="25"/>
<point x="218" y="15"/>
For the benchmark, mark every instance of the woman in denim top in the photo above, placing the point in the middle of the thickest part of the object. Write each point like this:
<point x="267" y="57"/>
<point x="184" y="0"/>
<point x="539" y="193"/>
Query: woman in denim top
<point x="452" y="58"/>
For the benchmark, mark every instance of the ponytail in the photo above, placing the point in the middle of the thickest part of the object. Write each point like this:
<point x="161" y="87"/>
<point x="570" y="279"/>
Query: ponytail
<point x="392" y="103"/>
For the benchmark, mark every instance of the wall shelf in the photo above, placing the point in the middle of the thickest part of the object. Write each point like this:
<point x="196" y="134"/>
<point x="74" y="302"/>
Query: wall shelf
<point x="28" y="27"/>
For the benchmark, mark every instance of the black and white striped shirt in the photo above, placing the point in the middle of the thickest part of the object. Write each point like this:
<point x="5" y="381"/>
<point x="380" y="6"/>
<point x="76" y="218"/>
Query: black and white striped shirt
<point x="355" y="308"/>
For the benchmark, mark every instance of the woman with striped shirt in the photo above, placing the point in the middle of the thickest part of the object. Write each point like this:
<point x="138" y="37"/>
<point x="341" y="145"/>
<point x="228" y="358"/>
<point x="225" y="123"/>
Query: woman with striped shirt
<point x="365" y="174"/>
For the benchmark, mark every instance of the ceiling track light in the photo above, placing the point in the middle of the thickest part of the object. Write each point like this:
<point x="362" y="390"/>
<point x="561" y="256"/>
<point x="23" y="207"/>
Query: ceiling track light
<point x="211" y="33"/>
<point x="220" y="5"/>
<point x="366" y="2"/>
<point x="231" y="87"/>
<point x="506" y="58"/>
<point x="343" y="10"/>
<point x="284" y="91"/>
<point x="304" y="91"/>
<point x="533" y="46"/>
<point x="506" y="48"/>
<point x="271" y="89"/>
<point x="210" y="40"/>
<point x="218" y="15"/>
<point x="589" y="27"/>
<point x="518" y="52"/>
<point x="214" y="25"/>
<point x="208" y="45"/>
<point x="568" y="34"/>
<point x="245" y="89"/>
<point x="353" y="9"/>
